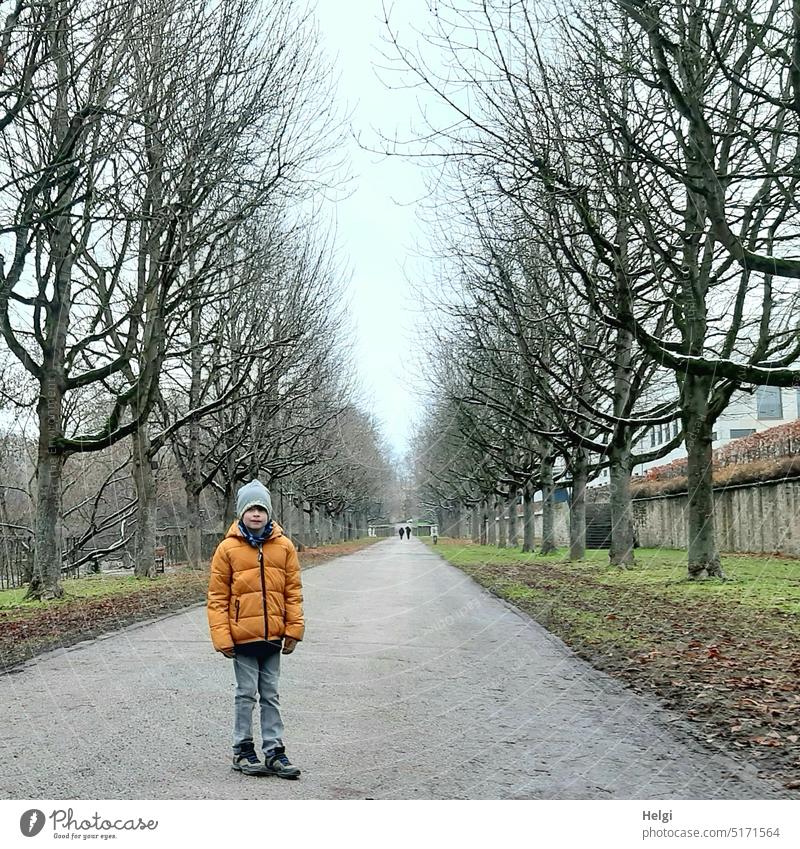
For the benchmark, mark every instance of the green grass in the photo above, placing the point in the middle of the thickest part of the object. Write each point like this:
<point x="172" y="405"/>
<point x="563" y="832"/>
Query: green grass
<point x="91" y="586"/>
<point x="763" y="583"/>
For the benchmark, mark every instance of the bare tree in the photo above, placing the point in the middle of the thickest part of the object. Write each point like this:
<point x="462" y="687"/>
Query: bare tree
<point x="156" y="128"/>
<point x="624" y="133"/>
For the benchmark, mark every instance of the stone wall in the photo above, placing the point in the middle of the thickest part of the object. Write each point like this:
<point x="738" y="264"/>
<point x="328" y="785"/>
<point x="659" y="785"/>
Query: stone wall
<point x="758" y="518"/>
<point x="560" y="522"/>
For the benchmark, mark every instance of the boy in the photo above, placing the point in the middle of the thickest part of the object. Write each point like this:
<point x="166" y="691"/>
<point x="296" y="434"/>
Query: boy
<point x="255" y="613"/>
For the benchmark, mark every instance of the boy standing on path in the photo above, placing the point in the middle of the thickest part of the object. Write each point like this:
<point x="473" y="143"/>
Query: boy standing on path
<point x="255" y="613"/>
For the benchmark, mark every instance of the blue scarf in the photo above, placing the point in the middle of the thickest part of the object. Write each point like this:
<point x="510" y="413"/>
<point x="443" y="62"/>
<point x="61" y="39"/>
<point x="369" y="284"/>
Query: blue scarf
<point x="254" y="540"/>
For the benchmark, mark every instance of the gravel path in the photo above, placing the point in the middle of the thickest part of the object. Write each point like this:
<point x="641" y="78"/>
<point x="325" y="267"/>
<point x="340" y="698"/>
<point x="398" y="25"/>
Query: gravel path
<point x="412" y="682"/>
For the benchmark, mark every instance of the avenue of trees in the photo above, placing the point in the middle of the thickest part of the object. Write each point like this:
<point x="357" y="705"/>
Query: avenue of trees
<point x="616" y="192"/>
<point x="167" y="300"/>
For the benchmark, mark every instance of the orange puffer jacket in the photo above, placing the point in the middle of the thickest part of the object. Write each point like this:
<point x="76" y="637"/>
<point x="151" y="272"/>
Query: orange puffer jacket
<point x="254" y="594"/>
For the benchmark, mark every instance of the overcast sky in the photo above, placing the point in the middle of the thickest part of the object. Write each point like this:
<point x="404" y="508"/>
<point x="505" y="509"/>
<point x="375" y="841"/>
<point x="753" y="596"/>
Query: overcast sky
<point x="377" y="226"/>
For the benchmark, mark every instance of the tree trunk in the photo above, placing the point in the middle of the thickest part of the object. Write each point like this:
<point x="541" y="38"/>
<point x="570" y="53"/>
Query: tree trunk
<point x="548" y="505"/>
<point x="502" y="523"/>
<point x="286" y="519"/>
<point x="511" y="504"/>
<point x="619" y="456"/>
<point x="577" y="506"/>
<point x="455" y="522"/>
<point x="46" y="580"/>
<point x="475" y="519"/>
<point x="312" y="526"/>
<point x="528" y="519"/>
<point x="297" y="517"/>
<point x="194" y="529"/>
<point x="228" y="507"/>
<point x="57" y="305"/>
<point x="621" y="551"/>
<point x="703" y="561"/>
<point x="491" y="530"/>
<point x="193" y="482"/>
<point x="364" y="525"/>
<point x="144" y="545"/>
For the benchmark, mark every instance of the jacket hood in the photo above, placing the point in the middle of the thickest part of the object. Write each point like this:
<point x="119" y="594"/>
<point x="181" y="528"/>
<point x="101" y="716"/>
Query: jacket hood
<point x="233" y="531"/>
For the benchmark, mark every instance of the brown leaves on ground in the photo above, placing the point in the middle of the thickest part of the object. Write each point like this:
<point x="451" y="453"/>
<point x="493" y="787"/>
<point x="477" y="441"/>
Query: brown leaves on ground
<point x="26" y="632"/>
<point x="733" y="671"/>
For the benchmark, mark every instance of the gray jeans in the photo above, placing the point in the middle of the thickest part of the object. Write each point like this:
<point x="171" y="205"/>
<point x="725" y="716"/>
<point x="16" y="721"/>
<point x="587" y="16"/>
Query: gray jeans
<point x="257" y="675"/>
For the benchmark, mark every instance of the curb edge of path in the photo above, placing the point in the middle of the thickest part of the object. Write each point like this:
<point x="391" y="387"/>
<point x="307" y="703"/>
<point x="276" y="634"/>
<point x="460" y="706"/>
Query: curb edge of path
<point x="16" y="668"/>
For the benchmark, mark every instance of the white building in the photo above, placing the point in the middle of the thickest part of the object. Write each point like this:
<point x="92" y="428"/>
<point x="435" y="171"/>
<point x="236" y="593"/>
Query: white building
<point x="748" y="412"/>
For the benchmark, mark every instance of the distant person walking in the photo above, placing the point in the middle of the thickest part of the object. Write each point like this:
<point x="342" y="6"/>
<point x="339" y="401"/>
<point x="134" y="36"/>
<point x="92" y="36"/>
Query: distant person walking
<point x="408" y="532"/>
<point x="401" y="532"/>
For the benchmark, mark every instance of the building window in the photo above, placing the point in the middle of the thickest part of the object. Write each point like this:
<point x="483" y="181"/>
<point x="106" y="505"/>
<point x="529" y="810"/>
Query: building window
<point x="675" y="428"/>
<point x="769" y="404"/>
<point x="738" y="433"/>
<point x="653" y="438"/>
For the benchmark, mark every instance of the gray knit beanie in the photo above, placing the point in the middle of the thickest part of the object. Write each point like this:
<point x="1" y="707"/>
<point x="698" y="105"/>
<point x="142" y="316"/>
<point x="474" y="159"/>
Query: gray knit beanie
<point x="253" y="494"/>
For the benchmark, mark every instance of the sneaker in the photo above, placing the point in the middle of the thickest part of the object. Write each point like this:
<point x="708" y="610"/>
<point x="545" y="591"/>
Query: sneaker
<point x="248" y="763"/>
<point x="278" y="764"/>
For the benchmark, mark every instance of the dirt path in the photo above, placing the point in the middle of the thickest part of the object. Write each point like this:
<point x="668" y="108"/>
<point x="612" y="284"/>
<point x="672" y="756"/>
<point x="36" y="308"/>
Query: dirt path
<point x="412" y="682"/>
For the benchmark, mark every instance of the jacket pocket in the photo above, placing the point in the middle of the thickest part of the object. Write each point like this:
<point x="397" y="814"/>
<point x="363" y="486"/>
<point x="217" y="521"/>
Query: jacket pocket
<point x="236" y="618"/>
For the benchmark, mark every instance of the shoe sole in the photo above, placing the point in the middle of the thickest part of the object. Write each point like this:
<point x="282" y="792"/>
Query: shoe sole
<point x="250" y="771"/>
<point x="283" y="775"/>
